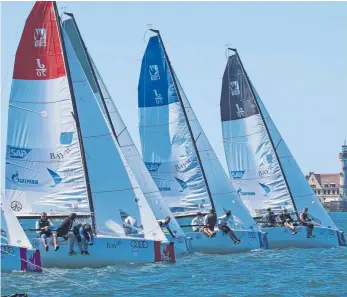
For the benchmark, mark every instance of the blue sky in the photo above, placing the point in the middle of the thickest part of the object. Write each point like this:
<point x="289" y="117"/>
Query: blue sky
<point x="295" y="54"/>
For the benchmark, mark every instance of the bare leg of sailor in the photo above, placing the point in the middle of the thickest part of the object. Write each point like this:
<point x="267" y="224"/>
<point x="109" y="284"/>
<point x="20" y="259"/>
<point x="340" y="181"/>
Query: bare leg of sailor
<point x="72" y="241"/>
<point x="54" y="238"/>
<point x="291" y="227"/>
<point x="44" y="241"/>
<point x="233" y="236"/>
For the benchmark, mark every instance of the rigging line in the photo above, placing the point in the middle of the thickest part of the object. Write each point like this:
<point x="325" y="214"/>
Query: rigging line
<point x="45" y="269"/>
<point x="42" y="113"/>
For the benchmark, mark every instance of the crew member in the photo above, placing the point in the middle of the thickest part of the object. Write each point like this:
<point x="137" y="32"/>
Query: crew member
<point x="63" y="231"/>
<point x="44" y="228"/>
<point x="210" y="222"/>
<point x="198" y="223"/>
<point x="304" y="219"/>
<point x="224" y="224"/>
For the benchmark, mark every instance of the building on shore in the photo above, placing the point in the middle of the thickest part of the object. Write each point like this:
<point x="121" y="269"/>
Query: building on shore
<point x="331" y="188"/>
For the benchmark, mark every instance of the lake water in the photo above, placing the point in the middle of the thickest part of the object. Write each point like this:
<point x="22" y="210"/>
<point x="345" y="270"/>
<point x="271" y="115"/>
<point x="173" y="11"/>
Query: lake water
<point x="291" y="272"/>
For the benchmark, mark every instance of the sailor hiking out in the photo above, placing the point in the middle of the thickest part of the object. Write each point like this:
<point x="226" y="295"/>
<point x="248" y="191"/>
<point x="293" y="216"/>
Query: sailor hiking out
<point x="224" y="223"/>
<point x="166" y="224"/>
<point x="63" y="231"/>
<point x="198" y="223"/>
<point x="306" y="221"/>
<point x="44" y="228"/>
<point x="210" y="222"/>
<point x="84" y="235"/>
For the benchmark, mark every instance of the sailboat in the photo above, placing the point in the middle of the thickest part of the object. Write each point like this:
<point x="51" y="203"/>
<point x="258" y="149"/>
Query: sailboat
<point x="62" y="157"/>
<point x="123" y="138"/>
<point x="182" y="161"/>
<point x="17" y="253"/>
<point x="262" y="168"/>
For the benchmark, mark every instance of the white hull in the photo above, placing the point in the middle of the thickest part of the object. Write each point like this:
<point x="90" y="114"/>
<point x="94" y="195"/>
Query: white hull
<point x="223" y="244"/>
<point x="281" y="237"/>
<point x="14" y="258"/>
<point x="105" y="252"/>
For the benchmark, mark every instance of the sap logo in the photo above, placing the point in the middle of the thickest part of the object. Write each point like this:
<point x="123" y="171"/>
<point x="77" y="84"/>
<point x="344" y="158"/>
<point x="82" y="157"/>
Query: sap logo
<point x="17" y="180"/>
<point x="152" y="166"/>
<point x="41" y="68"/>
<point x="18" y="153"/>
<point x="234" y="88"/>
<point x="239" y="191"/>
<point x="40" y="37"/>
<point x="183" y="166"/>
<point x="154" y="72"/>
<point x="237" y="174"/>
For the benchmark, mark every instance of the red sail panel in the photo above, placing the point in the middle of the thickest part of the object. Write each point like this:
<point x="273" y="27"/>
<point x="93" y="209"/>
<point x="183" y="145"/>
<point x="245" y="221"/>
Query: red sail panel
<point x="39" y="55"/>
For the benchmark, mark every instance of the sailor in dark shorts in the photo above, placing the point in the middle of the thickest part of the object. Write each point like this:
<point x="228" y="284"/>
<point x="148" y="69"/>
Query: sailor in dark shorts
<point x="210" y="222"/>
<point x="224" y="223"/>
<point x="304" y="219"/>
<point x="84" y="235"/>
<point x="44" y="228"/>
<point x="63" y="231"/>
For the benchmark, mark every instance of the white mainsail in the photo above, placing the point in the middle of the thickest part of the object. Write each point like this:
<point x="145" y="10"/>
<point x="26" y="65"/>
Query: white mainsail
<point x="113" y="188"/>
<point x="44" y="170"/>
<point x="168" y="148"/>
<point x="123" y="138"/>
<point x="259" y="161"/>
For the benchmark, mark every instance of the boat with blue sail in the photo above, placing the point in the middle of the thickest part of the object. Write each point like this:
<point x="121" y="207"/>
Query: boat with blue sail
<point x="263" y="169"/>
<point x="62" y="157"/>
<point x="181" y="160"/>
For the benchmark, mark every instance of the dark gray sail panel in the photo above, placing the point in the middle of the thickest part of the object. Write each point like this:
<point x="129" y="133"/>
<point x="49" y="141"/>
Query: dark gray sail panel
<point x="237" y="101"/>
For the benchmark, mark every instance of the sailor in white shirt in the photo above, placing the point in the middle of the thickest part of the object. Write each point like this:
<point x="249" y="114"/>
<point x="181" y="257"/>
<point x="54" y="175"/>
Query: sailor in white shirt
<point x="198" y="223"/>
<point x="224" y="224"/>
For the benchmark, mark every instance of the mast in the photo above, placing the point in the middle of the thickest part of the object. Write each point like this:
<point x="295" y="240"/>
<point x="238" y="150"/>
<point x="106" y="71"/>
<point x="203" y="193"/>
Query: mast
<point x="266" y="127"/>
<point x="185" y="116"/>
<point x="94" y="76"/>
<point x="75" y="115"/>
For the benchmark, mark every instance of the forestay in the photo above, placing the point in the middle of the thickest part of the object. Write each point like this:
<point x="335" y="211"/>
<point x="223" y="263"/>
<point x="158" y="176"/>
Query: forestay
<point x="261" y="168"/>
<point x="114" y="189"/>
<point x="168" y="148"/>
<point x="123" y="138"/>
<point x="44" y="169"/>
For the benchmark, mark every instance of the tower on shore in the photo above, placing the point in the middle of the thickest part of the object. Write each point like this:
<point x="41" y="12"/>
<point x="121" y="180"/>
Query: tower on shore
<point x="343" y="172"/>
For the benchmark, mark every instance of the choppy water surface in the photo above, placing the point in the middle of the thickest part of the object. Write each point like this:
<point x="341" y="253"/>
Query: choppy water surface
<point x="291" y="272"/>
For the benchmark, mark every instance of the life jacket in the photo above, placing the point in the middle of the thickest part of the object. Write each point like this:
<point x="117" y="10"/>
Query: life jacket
<point x="304" y="216"/>
<point x="43" y="224"/>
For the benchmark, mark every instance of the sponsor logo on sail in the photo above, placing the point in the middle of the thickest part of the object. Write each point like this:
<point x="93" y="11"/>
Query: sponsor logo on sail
<point x="234" y="88"/>
<point x="237" y="174"/>
<point x="16" y="206"/>
<point x="183" y="166"/>
<point x="41" y="68"/>
<point x="18" y="180"/>
<point x="264" y="172"/>
<point x="60" y="155"/>
<point x="72" y="173"/>
<point x="239" y="191"/>
<point x="240" y="112"/>
<point x="154" y="72"/>
<point x="56" y="177"/>
<point x="18" y="152"/>
<point x="40" y="37"/>
<point x="265" y="188"/>
<point x="182" y="183"/>
<point x="152" y="166"/>
<point x="140" y="244"/>
<point x="164" y="189"/>
<point x="158" y="97"/>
